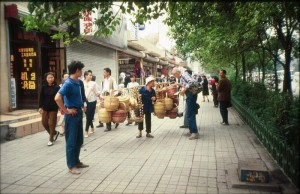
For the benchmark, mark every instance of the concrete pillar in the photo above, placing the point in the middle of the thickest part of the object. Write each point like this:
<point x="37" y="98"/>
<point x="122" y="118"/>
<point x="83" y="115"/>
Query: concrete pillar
<point x="4" y="63"/>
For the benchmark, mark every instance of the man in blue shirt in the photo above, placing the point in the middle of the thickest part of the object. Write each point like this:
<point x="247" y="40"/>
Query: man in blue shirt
<point x="69" y="99"/>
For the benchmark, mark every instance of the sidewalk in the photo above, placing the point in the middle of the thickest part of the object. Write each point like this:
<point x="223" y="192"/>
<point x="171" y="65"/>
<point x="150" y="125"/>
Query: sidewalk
<point x="121" y="163"/>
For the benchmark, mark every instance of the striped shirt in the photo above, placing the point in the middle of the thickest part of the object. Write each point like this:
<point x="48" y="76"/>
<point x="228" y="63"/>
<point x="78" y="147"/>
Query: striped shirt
<point x="186" y="79"/>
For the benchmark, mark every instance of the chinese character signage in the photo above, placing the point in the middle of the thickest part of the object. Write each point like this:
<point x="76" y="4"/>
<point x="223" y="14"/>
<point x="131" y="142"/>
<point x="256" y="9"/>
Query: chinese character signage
<point x="28" y="73"/>
<point x="87" y="25"/>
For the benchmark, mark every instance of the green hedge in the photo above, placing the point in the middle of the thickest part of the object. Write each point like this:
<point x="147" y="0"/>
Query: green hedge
<point x="275" y="120"/>
<point x="279" y="111"/>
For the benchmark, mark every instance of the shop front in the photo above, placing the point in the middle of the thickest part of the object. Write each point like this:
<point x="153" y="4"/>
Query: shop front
<point x="31" y="55"/>
<point x="131" y="62"/>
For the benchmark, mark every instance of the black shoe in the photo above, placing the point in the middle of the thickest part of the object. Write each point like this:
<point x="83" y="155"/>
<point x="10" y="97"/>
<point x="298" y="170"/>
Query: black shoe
<point x="56" y="136"/>
<point x="180" y="114"/>
<point x="223" y="123"/>
<point x="100" y="125"/>
<point x="183" y="126"/>
<point x="107" y="130"/>
<point x="128" y="124"/>
<point x="117" y="124"/>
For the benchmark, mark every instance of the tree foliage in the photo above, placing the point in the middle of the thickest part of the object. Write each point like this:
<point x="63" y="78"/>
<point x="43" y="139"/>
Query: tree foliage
<point x="65" y="16"/>
<point x="245" y="36"/>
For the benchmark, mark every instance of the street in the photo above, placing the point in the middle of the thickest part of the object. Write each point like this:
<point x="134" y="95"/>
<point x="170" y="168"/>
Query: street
<point x="121" y="163"/>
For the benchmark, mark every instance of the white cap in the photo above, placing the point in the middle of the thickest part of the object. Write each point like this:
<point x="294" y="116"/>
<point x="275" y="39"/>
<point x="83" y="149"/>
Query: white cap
<point x="149" y="79"/>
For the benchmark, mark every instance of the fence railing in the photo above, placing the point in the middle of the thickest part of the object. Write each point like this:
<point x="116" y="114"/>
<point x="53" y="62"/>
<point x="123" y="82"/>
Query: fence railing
<point x="286" y="157"/>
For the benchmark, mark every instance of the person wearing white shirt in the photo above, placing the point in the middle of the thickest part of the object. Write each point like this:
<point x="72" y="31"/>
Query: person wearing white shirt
<point x="91" y="90"/>
<point x="130" y="85"/>
<point x="109" y="84"/>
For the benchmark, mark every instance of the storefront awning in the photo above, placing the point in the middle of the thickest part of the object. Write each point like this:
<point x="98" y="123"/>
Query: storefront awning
<point x="151" y="59"/>
<point x="133" y="53"/>
<point x="161" y="62"/>
<point x="136" y="46"/>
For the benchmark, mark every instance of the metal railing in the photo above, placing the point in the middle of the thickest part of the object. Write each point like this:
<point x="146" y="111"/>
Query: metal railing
<point x="286" y="157"/>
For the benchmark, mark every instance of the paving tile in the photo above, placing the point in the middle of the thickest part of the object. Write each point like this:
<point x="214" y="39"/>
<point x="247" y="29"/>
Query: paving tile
<point x="121" y="163"/>
<point x="18" y="189"/>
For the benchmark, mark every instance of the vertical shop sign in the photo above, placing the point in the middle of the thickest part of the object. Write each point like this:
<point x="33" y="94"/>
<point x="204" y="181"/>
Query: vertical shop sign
<point x="28" y="73"/>
<point x="87" y="23"/>
<point x="13" y="91"/>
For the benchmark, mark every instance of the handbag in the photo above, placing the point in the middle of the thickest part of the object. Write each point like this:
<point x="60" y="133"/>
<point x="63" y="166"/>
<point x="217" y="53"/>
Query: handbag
<point x="195" y="88"/>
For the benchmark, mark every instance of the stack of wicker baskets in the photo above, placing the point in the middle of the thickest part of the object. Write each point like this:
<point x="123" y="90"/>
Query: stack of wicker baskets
<point x="112" y="109"/>
<point x="166" y="101"/>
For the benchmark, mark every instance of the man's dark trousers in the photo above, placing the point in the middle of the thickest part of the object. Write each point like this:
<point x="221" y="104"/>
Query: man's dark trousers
<point x="74" y="137"/>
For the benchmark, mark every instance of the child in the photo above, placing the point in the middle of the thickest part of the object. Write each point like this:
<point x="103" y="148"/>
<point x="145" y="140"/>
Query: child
<point x="148" y="98"/>
<point x="132" y="84"/>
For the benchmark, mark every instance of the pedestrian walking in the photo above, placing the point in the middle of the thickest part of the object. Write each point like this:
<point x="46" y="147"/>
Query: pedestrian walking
<point x="91" y="90"/>
<point x="191" y="104"/>
<point x="224" y="97"/>
<point x="69" y="99"/>
<point x="205" y="92"/>
<point x="48" y="108"/>
<point x="148" y="98"/>
<point x="214" y="91"/>
<point x="65" y="77"/>
<point x="130" y="85"/>
<point x="109" y="84"/>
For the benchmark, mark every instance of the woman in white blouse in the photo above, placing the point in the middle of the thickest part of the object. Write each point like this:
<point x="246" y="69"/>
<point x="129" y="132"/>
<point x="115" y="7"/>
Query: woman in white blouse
<point x="130" y="85"/>
<point x="91" y="90"/>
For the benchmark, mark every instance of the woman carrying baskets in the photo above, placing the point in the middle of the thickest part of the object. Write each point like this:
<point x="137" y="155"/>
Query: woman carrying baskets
<point x="148" y="97"/>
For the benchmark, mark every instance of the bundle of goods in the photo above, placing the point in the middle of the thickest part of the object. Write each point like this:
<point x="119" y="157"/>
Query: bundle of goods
<point x="136" y="113"/>
<point x="112" y="108"/>
<point x="166" y="101"/>
<point x="124" y="102"/>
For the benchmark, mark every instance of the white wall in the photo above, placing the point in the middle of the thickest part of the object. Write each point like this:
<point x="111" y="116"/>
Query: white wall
<point x="4" y="64"/>
<point x="94" y="57"/>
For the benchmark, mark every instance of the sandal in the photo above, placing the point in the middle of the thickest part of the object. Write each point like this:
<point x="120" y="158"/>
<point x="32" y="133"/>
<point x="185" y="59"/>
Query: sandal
<point x="149" y="135"/>
<point x="139" y="136"/>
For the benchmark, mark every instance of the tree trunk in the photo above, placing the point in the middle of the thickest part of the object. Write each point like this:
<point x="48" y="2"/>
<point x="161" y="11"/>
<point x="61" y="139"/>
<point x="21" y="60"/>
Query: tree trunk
<point x="236" y="70"/>
<point x="275" y="72"/>
<point x="244" y="67"/>
<point x="263" y="65"/>
<point x="286" y="42"/>
<point x="287" y="88"/>
<point x="259" y="74"/>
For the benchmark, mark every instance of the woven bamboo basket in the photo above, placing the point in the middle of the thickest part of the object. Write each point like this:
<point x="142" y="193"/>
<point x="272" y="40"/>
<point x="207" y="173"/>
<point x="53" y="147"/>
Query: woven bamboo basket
<point x="171" y="90"/>
<point x="118" y="116"/>
<point x="160" y="109"/>
<point x="172" y="114"/>
<point x="104" y="115"/>
<point x="168" y="103"/>
<point x="111" y="103"/>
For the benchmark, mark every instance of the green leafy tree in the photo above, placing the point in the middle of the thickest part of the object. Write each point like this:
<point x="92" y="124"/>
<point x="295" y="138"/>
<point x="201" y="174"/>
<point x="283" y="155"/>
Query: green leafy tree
<point x="64" y="16"/>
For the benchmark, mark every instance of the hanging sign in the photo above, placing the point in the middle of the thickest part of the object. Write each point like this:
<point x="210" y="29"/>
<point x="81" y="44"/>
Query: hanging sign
<point x="87" y="23"/>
